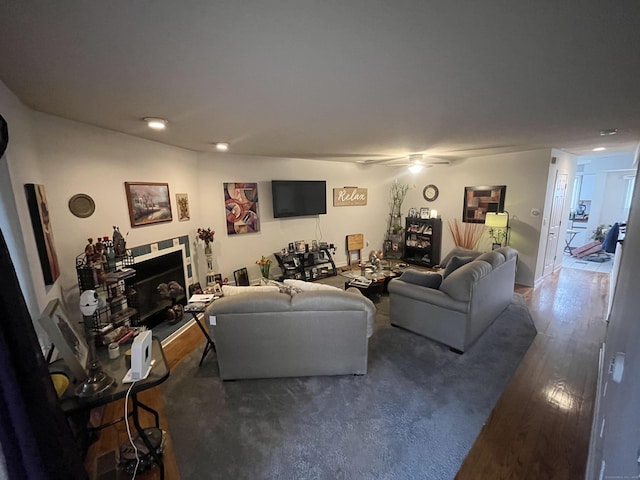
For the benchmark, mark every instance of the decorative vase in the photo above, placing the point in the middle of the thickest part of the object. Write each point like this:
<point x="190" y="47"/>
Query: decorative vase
<point x="264" y="269"/>
<point x="209" y="254"/>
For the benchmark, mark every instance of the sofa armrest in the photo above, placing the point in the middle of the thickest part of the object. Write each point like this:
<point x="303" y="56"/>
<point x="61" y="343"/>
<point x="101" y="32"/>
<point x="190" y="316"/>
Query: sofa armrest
<point x="426" y="295"/>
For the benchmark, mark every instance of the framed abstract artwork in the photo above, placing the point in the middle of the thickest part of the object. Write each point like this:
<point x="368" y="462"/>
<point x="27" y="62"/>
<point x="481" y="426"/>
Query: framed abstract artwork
<point x="241" y="205"/>
<point x="43" y="231"/>
<point x="148" y="203"/>
<point x="480" y="200"/>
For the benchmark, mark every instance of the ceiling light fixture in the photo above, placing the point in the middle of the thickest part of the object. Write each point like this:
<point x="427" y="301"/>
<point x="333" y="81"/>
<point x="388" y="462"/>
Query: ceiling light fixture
<point x="608" y="131"/>
<point x="222" y="146"/>
<point x="156" y="123"/>
<point x="599" y="149"/>
<point x="415" y="168"/>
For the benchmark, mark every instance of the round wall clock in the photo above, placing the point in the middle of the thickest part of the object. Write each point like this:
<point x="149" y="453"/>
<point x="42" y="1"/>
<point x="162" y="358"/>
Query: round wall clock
<point x="430" y="193"/>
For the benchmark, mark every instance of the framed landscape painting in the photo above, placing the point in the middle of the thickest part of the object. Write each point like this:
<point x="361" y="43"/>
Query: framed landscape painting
<point x="480" y="200"/>
<point x="148" y="203"/>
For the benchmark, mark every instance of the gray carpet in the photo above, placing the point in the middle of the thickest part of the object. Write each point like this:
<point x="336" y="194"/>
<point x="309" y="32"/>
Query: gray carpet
<point x="415" y="415"/>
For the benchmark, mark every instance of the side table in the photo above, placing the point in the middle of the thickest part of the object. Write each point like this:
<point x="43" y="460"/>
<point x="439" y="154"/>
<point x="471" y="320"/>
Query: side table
<point x="196" y="309"/>
<point x="117" y="369"/>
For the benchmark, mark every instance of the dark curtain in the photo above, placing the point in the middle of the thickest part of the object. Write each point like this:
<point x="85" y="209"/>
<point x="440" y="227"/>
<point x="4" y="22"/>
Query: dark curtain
<point x="35" y="436"/>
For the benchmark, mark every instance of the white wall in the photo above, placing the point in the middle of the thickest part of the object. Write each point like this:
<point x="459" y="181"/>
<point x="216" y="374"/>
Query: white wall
<point x="20" y="165"/>
<point x="617" y="442"/>
<point x="525" y="175"/>
<point x="235" y="251"/>
<point x="78" y="158"/>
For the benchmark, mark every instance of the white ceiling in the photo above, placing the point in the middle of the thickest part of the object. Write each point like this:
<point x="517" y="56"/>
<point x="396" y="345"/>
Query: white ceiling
<point x="335" y="79"/>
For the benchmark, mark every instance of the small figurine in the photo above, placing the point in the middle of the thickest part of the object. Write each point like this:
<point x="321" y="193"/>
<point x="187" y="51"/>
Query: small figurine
<point x="119" y="245"/>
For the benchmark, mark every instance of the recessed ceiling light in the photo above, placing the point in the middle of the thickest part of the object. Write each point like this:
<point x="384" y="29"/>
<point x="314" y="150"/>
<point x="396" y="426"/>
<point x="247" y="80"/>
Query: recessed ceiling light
<point x="222" y="146"/>
<point x="599" y="149"/>
<point x="156" y="123"/>
<point x="608" y="131"/>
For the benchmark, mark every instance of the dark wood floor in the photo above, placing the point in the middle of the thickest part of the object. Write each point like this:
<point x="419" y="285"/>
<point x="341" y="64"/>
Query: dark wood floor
<point x="539" y="428"/>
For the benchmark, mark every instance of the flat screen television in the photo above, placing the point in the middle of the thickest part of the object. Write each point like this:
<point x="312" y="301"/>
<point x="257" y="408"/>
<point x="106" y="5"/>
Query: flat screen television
<point x="298" y="198"/>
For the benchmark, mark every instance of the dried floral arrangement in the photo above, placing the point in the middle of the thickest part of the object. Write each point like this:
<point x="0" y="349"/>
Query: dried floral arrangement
<point x="466" y="235"/>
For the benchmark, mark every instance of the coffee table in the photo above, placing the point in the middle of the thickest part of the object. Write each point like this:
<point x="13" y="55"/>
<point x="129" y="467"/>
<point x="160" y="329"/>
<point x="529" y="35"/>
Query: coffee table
<point x="379" y="280"/>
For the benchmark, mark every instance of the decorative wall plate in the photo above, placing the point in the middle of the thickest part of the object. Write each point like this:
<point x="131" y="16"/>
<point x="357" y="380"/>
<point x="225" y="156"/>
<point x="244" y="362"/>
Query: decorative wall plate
<point x="82" y="205"/>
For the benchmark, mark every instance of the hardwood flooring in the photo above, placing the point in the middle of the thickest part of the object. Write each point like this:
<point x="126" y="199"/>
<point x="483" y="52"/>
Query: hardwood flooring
<point x="539" y="428"/>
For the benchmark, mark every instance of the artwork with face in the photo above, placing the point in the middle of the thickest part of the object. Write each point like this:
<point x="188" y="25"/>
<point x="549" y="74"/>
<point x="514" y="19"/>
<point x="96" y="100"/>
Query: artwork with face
<point x="241" y="204"/>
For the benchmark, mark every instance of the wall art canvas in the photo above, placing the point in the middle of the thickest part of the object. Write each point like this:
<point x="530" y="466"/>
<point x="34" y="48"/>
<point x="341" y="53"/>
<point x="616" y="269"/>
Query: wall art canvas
<point x="241" y="204"/>
<point x="480" y="200"/>
<point x="66" y="337"/>
<point x="43" y="231"/>
<point x="149" y="203"/>
<point x="182" y="201"/>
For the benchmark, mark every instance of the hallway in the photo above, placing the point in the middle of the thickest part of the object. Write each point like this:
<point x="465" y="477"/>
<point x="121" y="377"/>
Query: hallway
<point x="541" y="425"/>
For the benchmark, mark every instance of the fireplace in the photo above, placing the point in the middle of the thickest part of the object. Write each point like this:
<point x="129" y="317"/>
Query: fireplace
<point x="151" y="271"/>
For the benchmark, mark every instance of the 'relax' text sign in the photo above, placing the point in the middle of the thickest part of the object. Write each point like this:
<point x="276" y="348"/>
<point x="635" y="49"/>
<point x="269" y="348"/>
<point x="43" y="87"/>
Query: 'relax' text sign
<point x="349" y="196"/>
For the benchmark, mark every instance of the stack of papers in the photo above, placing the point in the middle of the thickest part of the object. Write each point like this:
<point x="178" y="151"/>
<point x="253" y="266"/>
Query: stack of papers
<point x="202" y="298"/>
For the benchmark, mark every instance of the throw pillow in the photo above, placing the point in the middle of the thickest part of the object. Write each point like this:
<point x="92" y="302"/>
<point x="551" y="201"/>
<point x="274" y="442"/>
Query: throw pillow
<point x="455" y="263"/>
<point x="231" y="290"/>
<point x="424" y="279"/>
<point x="458" y="252"/>
<point x="303" y="286"/>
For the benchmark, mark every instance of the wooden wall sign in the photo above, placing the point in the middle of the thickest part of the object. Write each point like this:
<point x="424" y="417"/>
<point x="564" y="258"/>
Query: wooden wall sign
<point x="349" y="196"/>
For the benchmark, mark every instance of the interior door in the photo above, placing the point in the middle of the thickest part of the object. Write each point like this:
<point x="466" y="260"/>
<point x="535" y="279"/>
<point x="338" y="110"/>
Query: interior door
<point x="555" y="223"/>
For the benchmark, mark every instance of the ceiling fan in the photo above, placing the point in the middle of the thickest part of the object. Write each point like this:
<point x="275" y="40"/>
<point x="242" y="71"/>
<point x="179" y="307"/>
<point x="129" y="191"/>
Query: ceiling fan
<point x="415" y="162"/>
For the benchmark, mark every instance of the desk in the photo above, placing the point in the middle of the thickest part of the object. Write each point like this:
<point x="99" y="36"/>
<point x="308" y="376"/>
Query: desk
<point x="571" y="234"/>
<point x="117" y="369"/>
<point x="194" y="309"/>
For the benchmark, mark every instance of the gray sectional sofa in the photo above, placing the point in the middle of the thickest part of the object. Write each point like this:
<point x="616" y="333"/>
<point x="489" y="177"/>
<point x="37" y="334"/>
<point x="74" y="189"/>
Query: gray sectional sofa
<point x="273" y="334"/>
<point x="465" y="303"/>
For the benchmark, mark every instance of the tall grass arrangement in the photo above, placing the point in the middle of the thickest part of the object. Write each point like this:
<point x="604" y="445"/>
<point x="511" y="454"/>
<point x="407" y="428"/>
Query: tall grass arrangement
<point x="466" y="235"/>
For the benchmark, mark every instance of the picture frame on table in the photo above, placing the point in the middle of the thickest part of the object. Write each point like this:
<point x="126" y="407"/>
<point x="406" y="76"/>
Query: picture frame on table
<point x="425" y="213"/>
<point x="241" y="277"/>
<point x="148" y="202"/>
<point x="67" y="338"/>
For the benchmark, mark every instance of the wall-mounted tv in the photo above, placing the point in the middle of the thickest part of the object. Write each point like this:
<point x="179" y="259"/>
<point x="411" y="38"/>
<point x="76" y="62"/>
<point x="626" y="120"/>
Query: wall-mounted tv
<point x="298" y="198"/>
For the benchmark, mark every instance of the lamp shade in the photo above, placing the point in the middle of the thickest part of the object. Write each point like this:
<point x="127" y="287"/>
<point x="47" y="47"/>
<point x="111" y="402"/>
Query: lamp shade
<point x="499" y="220"/>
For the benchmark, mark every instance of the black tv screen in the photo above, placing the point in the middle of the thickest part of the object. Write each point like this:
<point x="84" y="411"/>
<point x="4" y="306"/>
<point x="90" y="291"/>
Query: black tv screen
<point x="297" y="198"/>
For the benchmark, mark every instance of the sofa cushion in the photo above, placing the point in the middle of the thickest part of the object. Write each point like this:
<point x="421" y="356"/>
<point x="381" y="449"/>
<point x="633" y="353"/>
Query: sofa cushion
<point x="424" y="279"/>
<point x="458" y="252"/>
<point x="337" y="300"/>
<point x="303" y="286"/>
<point x="231" y="290"/>
<point x="454" y="264"/>
<point x="459" y="285"/>
<point x="508" y="252"/>
<point x="492" y="258"/>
